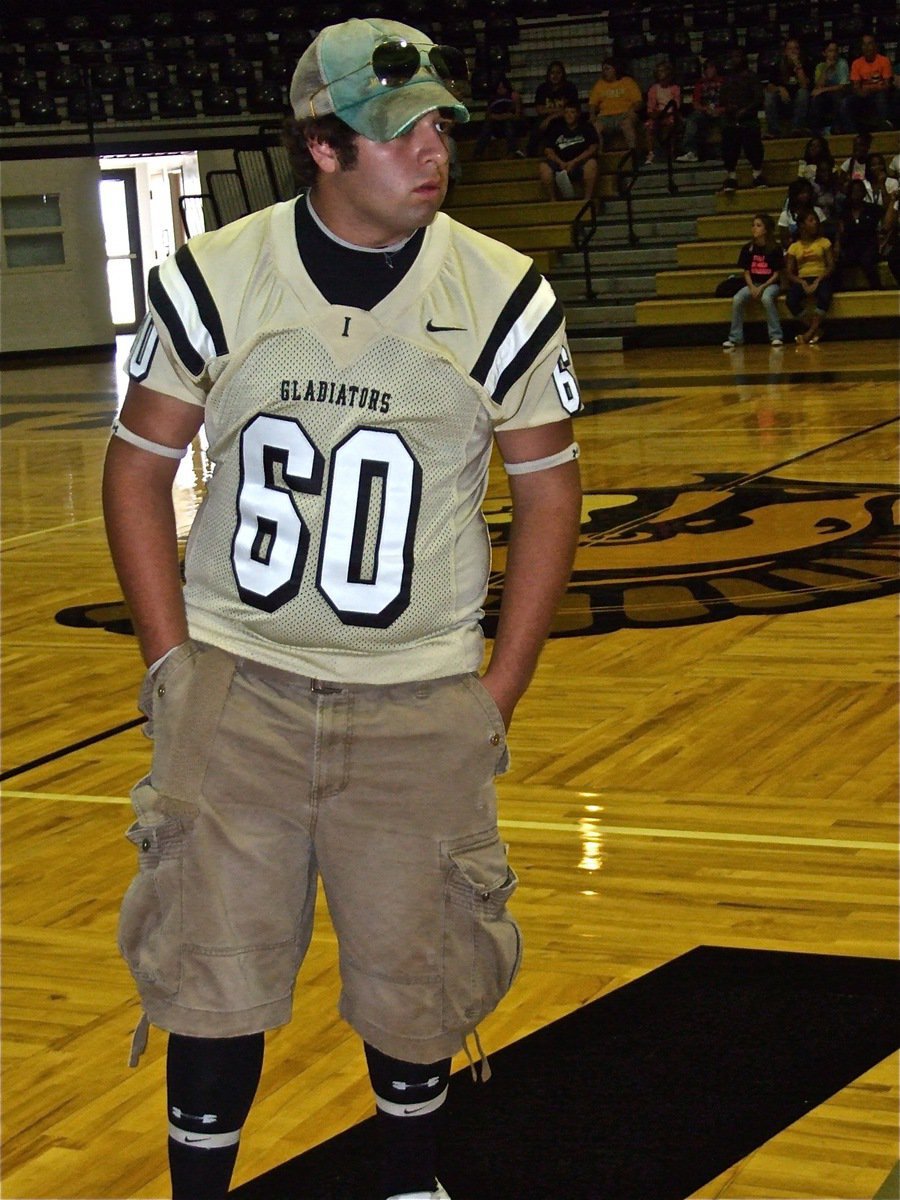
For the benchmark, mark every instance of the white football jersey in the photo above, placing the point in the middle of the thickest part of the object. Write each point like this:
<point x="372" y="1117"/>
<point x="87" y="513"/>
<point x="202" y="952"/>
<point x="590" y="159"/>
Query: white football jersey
<point x="341" y="536"/>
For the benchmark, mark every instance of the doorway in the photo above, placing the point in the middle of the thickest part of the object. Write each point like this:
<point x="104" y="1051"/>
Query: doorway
<point x="140" y="199"/>
<point x="124" y="261"/>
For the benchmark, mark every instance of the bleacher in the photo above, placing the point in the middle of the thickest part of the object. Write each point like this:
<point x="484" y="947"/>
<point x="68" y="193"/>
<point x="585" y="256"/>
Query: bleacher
<point x="660" y="288"/>
<point x="142" y="79"/>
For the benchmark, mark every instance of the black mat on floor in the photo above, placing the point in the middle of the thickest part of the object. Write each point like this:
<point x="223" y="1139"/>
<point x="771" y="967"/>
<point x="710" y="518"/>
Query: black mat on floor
<point x="647" y="1093"/>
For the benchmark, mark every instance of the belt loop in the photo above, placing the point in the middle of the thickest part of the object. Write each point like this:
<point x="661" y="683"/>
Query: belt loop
<point x="323" y="688"/>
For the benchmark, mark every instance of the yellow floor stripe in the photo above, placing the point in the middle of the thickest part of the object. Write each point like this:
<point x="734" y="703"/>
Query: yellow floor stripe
<point x="39" y="533"/>
<point x="690" y="835"/>
<point x="697" y="835"/>
<point x="11" y="795"/>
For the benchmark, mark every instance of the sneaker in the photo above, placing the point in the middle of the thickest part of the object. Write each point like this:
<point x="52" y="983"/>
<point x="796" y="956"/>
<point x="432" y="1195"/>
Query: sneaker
<point x="776" y="343"/>
<point x="688" y="156"/>
<point x="728" y="344"/>
<point x="518" y="153"/>
<point x="730" y="184"/>
<point x="437" y="1194"/>
<point x="648" y="161"/>
<point x="759" y="181"/>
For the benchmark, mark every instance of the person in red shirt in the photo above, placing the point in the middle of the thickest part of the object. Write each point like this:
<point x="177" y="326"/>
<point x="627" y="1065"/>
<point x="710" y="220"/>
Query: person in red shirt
<point x="705" y="114"/>
<point x="871" y="81"/>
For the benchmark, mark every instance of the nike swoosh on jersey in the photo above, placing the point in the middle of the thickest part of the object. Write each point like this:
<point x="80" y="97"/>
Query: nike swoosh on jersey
<point x="432" y="328"/>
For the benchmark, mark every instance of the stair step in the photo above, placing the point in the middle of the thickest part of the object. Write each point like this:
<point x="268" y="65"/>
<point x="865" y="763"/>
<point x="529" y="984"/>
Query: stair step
<point x="559" y="237"/>
<point x="612" y="212"/>
<point x="702" y="282"/>
<point x="579" y="315"/>
<point x="645" y="255"/>
<point x="571" y="290"/>
<point x="711" y="310"/>
<point x="594" y="344"/>
<point x="709" y="254"/>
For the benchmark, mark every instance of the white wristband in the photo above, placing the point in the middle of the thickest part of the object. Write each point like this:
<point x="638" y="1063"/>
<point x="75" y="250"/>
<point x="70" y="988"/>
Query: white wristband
<point x="123" y="432"/>
<point x="542" y="464"/>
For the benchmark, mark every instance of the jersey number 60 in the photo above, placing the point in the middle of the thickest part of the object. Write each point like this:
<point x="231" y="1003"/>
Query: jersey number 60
<point x="368" y="528"/>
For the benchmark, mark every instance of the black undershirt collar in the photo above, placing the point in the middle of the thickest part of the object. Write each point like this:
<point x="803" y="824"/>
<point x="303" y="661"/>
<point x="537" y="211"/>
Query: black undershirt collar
<point x="360" y="278"/>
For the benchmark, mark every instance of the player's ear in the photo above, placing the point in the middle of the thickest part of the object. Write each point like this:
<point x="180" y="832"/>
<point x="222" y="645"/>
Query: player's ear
<point x="323" y="155"/>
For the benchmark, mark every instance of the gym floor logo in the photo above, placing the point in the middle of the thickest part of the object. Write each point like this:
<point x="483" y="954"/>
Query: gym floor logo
<point x="718" y="548"/>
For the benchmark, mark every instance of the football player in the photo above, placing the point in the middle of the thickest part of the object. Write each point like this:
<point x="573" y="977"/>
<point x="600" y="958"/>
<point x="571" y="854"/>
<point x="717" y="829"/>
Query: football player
<point x="313" y="690"/>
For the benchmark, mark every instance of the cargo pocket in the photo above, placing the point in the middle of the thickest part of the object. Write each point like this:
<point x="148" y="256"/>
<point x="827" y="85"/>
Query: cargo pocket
<point x="150" y="921"/>
<point x="482" y="942"/>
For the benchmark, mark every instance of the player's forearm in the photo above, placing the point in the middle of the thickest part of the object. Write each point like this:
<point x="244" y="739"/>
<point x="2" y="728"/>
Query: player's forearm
<point x="543" y="537"/>
<point x="141" y="531"/>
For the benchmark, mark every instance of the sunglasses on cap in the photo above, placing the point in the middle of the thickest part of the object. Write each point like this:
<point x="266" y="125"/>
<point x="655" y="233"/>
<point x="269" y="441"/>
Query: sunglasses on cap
<point x="394" y="62"/>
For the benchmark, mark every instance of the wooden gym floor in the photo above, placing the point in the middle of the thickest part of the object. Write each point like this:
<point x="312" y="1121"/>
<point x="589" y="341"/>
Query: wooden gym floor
<point x="708" y="754"/>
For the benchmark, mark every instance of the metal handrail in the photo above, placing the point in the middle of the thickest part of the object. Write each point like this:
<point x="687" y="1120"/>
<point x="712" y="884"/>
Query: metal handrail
<point x="667" y="141"/>
<point x="583" y="230"/>
<point x="624" y="185"/>
<point x="204" y="198"/>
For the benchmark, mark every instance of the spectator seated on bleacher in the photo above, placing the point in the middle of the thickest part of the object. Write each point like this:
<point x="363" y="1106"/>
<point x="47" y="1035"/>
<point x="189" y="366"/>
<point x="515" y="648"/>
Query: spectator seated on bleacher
<point x="787" y="92"/>
<point x="858" y="242"/>
<point x="614" y="104"/>
<point x="827" y="193"/>
<point x="705" y="114"/>
<point x="801" y="198"/>
<point x="761" y="262"/>
<point x="871" y="82"/>
<point x="815" y="151"/>
<point x="830" y="82"/>
<point x="549" y="99"/>
<point x="890" y="240"/>
<point x="856" y="166"/>
<point x="663" y="109"/>
<point x="502" y="119"/>
<point x="570" y="155"/>
<point x="810" y="271"/>
<point x="882" y="186"/>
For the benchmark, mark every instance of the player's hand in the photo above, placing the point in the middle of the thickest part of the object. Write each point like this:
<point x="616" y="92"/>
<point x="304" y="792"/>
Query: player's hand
<point x="505" y="699"/>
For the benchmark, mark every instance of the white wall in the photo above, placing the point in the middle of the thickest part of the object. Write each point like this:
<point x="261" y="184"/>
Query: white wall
<point x="44" y="308"/>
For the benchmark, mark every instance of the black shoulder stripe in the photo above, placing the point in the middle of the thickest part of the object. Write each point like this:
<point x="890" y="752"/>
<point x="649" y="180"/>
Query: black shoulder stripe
<point x="168" y="314"/>
<point x="512" y="311"/>
<point x="529" y="352"/>
<point x="206" y="306"/>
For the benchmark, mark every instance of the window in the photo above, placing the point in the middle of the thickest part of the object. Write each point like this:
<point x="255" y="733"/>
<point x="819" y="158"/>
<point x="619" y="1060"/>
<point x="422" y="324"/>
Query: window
<point x="32" y="231"/>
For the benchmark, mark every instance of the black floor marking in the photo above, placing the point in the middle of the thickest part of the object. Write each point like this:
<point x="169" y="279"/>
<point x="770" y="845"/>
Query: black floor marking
<point x="70" y="749"/>
<point x="648" y="1093"/>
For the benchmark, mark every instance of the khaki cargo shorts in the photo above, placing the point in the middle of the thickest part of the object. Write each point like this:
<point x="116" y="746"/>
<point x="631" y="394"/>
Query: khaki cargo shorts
<point x="261" y="782"/>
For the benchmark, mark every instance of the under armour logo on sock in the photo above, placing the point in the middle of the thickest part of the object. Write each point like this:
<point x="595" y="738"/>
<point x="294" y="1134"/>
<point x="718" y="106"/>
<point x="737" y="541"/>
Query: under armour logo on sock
<point x="206" y="1119"/>
<point x="405" y="1087"/>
